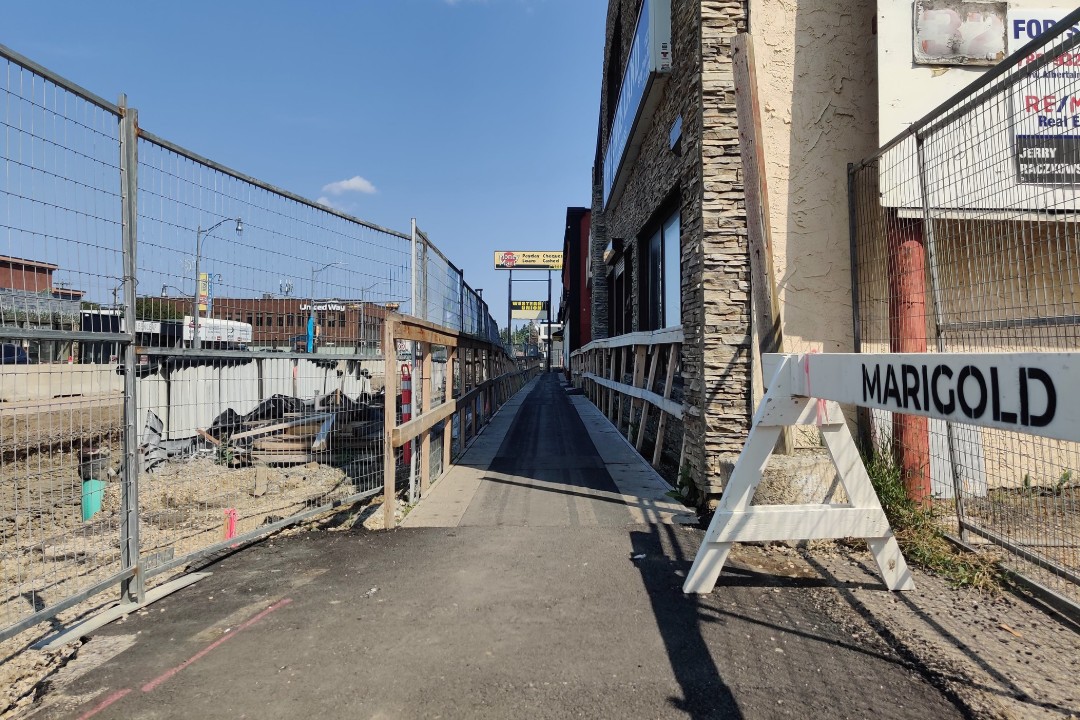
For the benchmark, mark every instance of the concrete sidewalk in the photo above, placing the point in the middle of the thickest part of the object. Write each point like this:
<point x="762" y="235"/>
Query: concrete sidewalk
<point x="525" y="586"/>
<point x="552" y="461"/>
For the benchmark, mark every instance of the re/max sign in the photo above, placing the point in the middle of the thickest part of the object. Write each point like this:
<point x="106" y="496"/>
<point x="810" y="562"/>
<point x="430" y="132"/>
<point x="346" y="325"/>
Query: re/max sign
<point x="1022" y="396"/>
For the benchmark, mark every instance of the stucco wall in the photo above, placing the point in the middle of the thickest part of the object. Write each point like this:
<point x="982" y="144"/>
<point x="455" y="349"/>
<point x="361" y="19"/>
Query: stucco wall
<point x="816" y="68"/>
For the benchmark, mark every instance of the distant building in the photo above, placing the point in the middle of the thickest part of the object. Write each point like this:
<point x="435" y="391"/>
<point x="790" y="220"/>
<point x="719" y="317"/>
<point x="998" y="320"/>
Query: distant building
<point x="281" y="322"/>
<point x="31" y="299"/>
<point x="575" y="306"/>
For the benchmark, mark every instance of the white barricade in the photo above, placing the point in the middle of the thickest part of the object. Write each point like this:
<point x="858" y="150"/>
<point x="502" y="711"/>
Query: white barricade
<point x="1032" y="393"/>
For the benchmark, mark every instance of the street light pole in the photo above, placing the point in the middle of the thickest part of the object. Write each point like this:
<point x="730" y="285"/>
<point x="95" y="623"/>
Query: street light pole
<point x="196" y="342"/>
<point x="311" y="316"/>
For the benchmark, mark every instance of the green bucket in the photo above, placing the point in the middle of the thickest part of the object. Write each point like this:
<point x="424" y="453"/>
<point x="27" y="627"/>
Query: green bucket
<point x="92" y="492"/>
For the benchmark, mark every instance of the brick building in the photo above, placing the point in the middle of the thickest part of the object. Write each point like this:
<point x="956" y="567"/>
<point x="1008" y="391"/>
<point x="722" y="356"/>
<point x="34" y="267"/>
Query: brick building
<point x="30" y="298"/>
<point x="281" y="323"/>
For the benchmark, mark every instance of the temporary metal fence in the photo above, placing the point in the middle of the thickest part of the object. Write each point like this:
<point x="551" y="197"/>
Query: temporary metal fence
<point x="192" y="357"/>
<point x="965" y="239"/>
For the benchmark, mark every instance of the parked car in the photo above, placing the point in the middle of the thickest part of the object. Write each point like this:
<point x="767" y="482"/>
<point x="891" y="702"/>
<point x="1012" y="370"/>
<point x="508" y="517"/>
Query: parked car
<point x="11" y="354"/>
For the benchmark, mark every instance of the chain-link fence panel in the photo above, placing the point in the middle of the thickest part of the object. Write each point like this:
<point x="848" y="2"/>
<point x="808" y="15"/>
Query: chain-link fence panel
<point x="965" y="239"/>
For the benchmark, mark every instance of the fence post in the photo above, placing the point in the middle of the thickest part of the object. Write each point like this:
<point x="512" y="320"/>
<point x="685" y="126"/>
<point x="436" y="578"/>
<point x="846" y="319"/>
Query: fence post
<point x="935" y="300"/>
<point x="448" y="425"/>
<point x="412" y="274"/>
<point x="425" y="406"/>
<point x="862" y="415"/>
<point x="389" y="422"/>
<point x="132" y="589"/>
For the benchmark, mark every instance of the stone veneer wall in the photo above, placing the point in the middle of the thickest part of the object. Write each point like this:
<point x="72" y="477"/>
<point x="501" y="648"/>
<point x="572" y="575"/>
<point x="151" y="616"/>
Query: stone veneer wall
<point x="726" y="340"/>
<point x="715" y="300"/>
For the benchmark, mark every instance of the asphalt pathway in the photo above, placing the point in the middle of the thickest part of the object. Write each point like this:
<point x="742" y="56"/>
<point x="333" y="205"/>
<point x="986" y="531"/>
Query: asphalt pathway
<point x="540" y="596"/>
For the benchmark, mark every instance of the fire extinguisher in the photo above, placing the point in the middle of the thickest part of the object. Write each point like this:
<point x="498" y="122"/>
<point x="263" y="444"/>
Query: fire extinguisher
<point x="406" y="407"/>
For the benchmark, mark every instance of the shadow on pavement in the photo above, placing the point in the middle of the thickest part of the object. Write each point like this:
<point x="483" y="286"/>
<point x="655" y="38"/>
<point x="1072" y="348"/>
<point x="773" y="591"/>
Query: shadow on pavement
<point x="679" y="618"/>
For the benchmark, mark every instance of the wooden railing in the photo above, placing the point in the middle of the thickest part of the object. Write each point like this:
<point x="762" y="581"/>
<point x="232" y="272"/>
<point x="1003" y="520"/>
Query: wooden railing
<point x="601" y="367"/>
<point x="481" y="376"/>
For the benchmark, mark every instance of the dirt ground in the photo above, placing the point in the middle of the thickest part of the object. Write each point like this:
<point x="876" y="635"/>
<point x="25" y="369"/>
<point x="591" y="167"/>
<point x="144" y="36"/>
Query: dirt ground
<point x="1002" y="655"/>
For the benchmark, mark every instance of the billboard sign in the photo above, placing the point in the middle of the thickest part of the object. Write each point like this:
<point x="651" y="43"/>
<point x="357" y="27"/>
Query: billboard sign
<point x="216" y="330"/>
<point x="1019" y="148"/>
<point x="527" y="260"/>
<point x="1046" y="107"/>
<point x="204" y="291"/>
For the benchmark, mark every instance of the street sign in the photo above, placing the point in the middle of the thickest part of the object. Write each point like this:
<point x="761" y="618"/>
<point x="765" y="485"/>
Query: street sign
<point x="527" y="260"/>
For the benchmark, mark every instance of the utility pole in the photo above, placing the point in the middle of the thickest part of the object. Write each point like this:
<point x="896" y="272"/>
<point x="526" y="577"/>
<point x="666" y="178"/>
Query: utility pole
<point x="547" y="365"/>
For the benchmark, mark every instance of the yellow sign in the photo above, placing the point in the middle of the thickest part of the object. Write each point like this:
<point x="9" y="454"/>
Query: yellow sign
<point x="204" y="290"/>
<point x="528" y="309"/>
<point x="527" y="260"/>
<point x="528" y="304"/>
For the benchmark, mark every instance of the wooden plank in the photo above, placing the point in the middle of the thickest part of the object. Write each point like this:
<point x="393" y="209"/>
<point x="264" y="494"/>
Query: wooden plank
<point x="654" y="357"/>
<point x="654" y="337"/>
<point x="390" y="421"/>
<point x="280" y="427"/>
<point x="639" y="377"/>
<point x="208" y="437"/>
<point x="323" y="435"/>
<point x="759" y="233"/>
<point x="425" y="444"/>
<point x="772" y="523"/>
<point x="765" y="305"/>
<point x="669" y="379"/>
<point x="667" y="405"/>
<point x="611" y="376"/>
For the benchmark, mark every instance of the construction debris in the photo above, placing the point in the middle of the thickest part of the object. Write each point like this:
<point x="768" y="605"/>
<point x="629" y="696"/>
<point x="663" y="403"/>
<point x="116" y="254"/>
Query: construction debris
<point x="288" y="431"/>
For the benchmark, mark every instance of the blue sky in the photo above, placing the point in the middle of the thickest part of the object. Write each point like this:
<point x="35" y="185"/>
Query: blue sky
<point x="477" y="117"/>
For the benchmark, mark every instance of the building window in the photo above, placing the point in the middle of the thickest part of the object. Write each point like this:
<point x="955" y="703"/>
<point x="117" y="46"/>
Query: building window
<point x="331" y="319"/>
<point x="290" y="320"/>
<point x="281" y="321"/>
<point x="659" y="290"/>
<point x="258" y="319"/>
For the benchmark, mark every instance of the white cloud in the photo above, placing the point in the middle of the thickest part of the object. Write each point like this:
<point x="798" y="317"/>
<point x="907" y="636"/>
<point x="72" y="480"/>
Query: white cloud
<point x="353" y="184"/>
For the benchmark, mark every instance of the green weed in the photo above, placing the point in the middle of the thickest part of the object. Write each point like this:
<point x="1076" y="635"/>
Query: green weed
<point x="919" y="532"/>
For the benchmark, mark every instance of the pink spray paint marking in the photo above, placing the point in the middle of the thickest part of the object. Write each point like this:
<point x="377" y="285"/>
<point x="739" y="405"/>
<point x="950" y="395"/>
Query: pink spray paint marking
<point x="230" y="523"/>
<point x="104" y="704"/>
<point x="206" y="650"/>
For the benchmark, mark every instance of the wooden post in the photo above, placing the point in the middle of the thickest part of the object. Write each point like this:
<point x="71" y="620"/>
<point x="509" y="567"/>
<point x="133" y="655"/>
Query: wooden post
<point x="673" y="360"/>
<point x="428" y="386"/>
<point x="639" y="377"/>
<point x="448" y="426"/>
<point x="907" y="334"/>
<point x="611" y="376"/>
<point x="655" y="352"/>
<point x="389" y="422"/>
